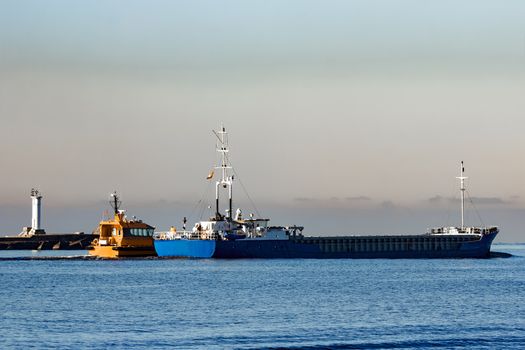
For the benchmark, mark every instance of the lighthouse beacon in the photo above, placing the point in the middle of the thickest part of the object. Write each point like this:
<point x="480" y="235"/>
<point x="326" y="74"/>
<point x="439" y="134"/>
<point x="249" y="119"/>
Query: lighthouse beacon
<point x="36" y="210"/>
<point x="36" y="201"/>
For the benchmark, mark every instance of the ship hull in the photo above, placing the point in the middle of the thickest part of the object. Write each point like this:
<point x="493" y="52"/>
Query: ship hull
<point x="113" y="252"/>
<point x="354" y="247"/>
<point x="184" y="248"/>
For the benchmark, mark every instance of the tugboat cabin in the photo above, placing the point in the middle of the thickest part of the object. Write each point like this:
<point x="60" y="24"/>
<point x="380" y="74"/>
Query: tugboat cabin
<point x="121" y="237"/>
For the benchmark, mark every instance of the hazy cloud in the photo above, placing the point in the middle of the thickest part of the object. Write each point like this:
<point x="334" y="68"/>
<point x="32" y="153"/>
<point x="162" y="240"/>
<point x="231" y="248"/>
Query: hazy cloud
<point x="477" y="200"/>
<point x="388" y="205"/>
<point x="437" y="199"/>
<point x="358" y="198"/>
<point x="333" y="199"/>
<point x="304" y="199"/>
<point x="488" y="200"/>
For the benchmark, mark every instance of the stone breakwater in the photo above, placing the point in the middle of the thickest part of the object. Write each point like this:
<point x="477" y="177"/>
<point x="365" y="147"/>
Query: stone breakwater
<point x="72" y="241"/>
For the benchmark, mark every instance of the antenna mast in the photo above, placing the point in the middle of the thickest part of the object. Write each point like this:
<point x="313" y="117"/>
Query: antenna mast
<point x="462" y="190"/>
<point x="115" y="202"/>
<point x="226" y="179"/>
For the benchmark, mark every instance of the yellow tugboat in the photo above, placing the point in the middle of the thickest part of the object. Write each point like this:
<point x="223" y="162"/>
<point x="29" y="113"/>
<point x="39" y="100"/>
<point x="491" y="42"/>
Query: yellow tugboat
<point x="121" y="237"/>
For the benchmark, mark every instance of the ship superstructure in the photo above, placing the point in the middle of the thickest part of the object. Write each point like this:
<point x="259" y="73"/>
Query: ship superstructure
<point x="227" y="236"/>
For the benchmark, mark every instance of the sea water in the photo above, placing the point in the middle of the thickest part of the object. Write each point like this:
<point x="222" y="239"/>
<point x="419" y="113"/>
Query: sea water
<point x="252" y="304"/>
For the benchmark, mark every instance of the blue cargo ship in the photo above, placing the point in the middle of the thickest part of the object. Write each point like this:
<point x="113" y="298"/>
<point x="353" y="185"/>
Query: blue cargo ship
<point x="288" y="243"/>
<point x="234" y="237"/>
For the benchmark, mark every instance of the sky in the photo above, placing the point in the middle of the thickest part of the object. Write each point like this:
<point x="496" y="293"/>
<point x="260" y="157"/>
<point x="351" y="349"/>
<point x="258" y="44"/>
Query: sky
<point x="344" y="116"/>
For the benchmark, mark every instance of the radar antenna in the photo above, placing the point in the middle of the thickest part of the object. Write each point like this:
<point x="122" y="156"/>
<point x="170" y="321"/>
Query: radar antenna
<point x="115" y="201"/>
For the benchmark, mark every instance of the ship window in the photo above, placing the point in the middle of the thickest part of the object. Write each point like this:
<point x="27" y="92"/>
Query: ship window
<point x="141" y="232"/>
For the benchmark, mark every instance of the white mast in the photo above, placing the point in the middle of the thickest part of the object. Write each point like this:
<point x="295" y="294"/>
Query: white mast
<point x="226" y="179"/>
<point x="462" y="190"/>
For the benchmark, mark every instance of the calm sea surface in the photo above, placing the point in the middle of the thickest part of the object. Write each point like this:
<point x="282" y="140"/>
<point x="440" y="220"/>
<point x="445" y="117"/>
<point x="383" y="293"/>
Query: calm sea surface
<point x="247" y="304"/>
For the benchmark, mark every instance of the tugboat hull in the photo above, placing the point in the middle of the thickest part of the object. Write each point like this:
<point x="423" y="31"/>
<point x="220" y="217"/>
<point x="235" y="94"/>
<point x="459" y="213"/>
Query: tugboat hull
<point x="111" y="252"/>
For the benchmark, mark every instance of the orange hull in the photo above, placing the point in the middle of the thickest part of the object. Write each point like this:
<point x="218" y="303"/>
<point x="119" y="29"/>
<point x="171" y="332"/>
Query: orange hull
<point x="113" y="252"/>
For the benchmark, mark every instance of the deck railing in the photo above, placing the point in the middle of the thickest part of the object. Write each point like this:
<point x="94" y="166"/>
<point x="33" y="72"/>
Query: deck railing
<point x="204" y="235"/>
